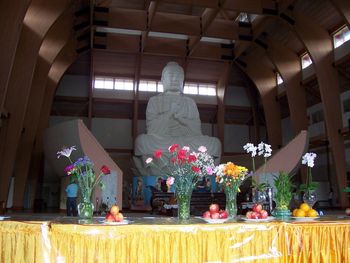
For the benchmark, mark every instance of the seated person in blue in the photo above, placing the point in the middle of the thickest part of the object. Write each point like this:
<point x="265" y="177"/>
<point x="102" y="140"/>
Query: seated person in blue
<point x="72" y="193"/>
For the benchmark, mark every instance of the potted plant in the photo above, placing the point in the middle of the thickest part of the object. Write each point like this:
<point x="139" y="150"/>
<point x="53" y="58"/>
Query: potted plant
<point x="284" y="186"/>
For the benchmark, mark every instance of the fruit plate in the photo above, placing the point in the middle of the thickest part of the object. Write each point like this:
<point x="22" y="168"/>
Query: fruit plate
<point x="305" y="219"/>
<point x="124" y="222"/>
<point x="214" y="221"/>
<point x="269" y="218"/>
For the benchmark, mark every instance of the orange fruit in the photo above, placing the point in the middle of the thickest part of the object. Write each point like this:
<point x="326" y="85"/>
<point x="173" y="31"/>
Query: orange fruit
<point x="114" y="210"/>
<point x="305" y="207"/>
<point x="295" y="211"/>
<point x="312" y="213"/>
<point x="300" y="213"/>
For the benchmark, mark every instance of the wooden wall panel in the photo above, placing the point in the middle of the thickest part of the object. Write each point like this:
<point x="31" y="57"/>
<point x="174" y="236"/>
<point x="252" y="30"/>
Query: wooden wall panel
<point x="319" y="45"/>
<point x="38" y="19"/>
<point x="62" y="61"/>
<point x="11" y="19"/>
<point x="55" y="40"/>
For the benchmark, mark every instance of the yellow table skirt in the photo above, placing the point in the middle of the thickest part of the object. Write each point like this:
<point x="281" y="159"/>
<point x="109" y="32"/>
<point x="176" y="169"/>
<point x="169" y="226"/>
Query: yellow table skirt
<point x="229" y="242"/>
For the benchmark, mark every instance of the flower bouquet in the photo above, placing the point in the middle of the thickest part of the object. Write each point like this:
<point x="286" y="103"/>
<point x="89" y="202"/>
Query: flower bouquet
<point x="83" y="173"/>
<point x="184" y="169"/>
<point x="231" y="176"/>
<point x="309" y="187"/>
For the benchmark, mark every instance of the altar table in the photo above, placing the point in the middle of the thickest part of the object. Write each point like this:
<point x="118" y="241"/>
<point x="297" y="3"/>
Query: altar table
<point x="162" y="240"/>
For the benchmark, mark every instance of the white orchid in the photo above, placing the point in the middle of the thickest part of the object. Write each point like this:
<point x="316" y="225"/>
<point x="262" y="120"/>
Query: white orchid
<point x="149" y="160"/>
<point x="250" y="148"/>
<point x="309" y="159"/>
<point x="66" y="152"/>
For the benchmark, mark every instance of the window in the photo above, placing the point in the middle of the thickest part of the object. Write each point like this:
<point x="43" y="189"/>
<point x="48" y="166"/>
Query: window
<point x="113" y="83"/>
<point x="200" y="89"/>
<point x="150" y="86"/>
<point x="279" y="79"/>
<point x="317" y="116"/>
<point x="305" y="61"/>
<point x="341" y="36"/>
<point x="123" y="84"/>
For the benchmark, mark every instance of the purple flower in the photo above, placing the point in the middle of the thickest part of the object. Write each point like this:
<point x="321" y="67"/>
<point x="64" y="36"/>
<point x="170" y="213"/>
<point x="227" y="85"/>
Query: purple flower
<point x="209" y="170"/>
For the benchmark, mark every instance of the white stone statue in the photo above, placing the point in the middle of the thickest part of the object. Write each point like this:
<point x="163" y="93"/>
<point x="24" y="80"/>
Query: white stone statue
<point x="171" y="117"/>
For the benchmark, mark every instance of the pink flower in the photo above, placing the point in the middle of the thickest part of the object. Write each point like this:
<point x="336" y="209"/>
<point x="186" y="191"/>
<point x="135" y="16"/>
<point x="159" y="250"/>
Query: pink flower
<point x="173" y="148"/>
<point x="157" y="154"/>
<point x="149" y="160"/>
<point x="209" y="170"/>
<point x="170" y="180"/>
<point x="69" y="169"/>
<point x="186" y="148"/>
<point x="202" y="149"/>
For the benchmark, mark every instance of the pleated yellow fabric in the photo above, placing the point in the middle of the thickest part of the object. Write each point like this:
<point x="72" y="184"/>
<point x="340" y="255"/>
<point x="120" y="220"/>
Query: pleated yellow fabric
<point x="236" y="242"/>
<point x="21" y="241"/>
<point x="314" y="242"/>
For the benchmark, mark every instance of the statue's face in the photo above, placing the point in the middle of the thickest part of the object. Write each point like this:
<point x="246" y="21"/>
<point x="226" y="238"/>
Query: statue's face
<point x="172" y="78"/>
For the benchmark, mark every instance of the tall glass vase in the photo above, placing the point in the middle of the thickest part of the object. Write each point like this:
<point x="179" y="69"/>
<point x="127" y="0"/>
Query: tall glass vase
<point x="231" y="201"/>
<point x="183" y="194"/>
<point x="85" y="207"/>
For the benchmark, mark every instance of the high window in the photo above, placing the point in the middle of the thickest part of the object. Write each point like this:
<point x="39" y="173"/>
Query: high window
<point x="279" y="79"/>
<point x="341" y="36"/>
<point x="206" y="89"/>
<point x="305" y="60"/>
<point x="200" y="89"/>
<point x="113" y="83"/>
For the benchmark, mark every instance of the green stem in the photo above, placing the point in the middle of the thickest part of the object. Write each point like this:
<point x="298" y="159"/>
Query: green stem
<point x="253" y="165"/>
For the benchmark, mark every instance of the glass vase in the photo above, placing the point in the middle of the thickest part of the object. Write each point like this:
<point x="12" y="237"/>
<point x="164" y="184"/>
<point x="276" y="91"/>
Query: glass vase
<point x="183" y="197"/>
<point x="231" y="201"/>
<point x="85" y="207"/>
<point x="310" y="198"/>
<point x="259" y="197"/>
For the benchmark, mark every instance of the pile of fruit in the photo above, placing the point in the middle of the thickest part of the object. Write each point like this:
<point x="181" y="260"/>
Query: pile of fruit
<point x="257" y="212"/>
<point x="114" y="215"/>
<point x="305" y="210"/>
<point x="214" y="212"/>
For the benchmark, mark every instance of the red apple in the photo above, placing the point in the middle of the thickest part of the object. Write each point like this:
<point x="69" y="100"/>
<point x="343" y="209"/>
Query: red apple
<point x="119" y="217"/>
<point x="249" y="214"/>
<point x="206" y="214"/>
<point x="257" y="208"/>
<point x="223" y="214"/>
<point x="263" y="214"/>
<point x="215" y="215"/>
<point x="254" y="215"/>
<point x="214" y="208"/>
<point x="110" y="218"/>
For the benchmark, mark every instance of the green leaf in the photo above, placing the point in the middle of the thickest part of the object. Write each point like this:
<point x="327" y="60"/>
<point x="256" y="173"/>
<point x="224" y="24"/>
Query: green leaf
<point x="346" y="189"/>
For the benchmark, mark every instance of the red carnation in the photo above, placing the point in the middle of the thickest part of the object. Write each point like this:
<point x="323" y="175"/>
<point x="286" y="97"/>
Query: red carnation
<point x="105" y="170"/>
<point x="157" y="154"/>
<point x="181" y="154"/>
<point x="192" y="158"/>
<point x="173" y="148"/>
<point x="195" y="169"/>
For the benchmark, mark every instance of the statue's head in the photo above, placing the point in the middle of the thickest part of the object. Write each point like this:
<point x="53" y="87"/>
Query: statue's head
<point x="172" y="77"/>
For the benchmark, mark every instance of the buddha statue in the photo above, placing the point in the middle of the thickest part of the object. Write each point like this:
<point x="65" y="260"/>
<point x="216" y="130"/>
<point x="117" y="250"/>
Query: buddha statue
<point x="172" y="117"/>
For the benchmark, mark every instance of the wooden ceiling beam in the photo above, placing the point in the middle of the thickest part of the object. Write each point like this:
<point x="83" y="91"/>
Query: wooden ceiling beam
<point x="172" y="23"/>
<point x="207" y="19"/>
<point x="152" y="9"/>
<point x="251" y="6"/>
